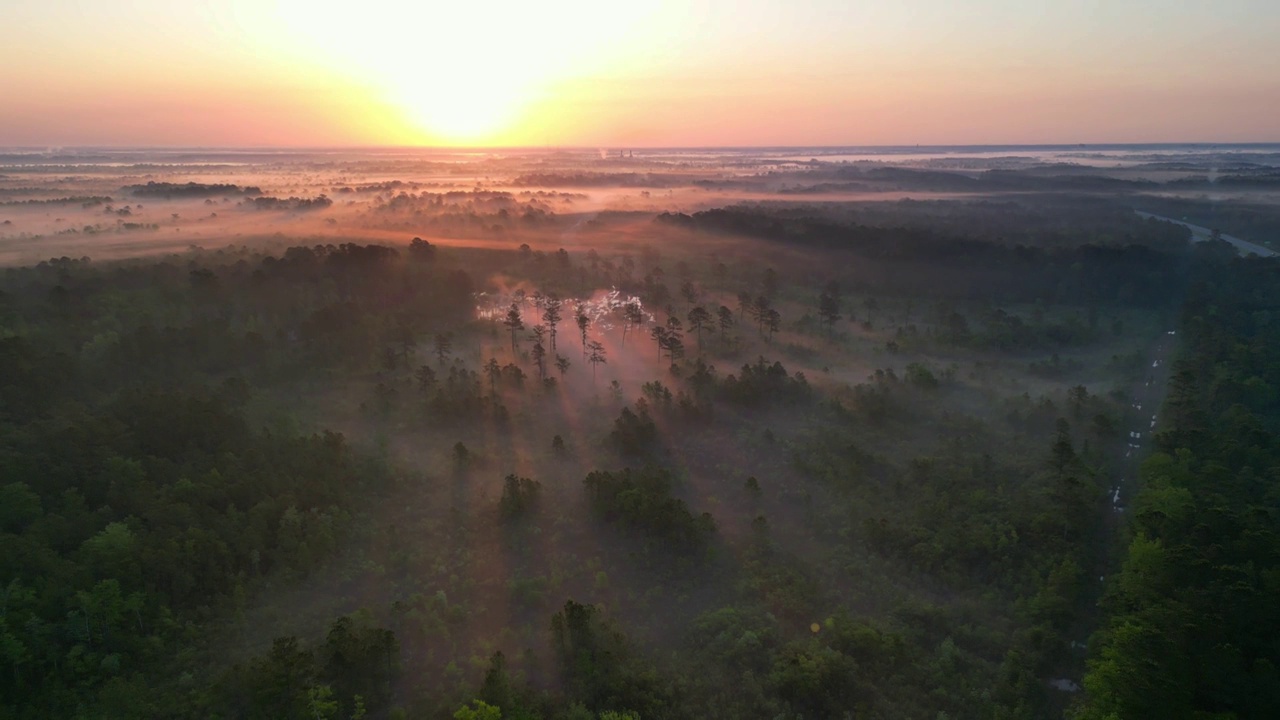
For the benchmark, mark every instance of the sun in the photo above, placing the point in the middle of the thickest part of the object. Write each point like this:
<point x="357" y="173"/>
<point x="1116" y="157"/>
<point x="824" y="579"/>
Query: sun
<point x="481" y="101"/>
<point x="464" y="115"/>
<point x="463" y="73"/>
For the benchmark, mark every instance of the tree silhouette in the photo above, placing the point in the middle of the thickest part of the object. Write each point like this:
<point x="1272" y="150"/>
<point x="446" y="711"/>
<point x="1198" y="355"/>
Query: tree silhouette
<point x="444" y="345"/>
<point x="699" y="320"/>
<point x="551" y="316"/>
<point x="597" y="357"/>
<point x="539" y="351"/>
<point x="773" y="321"/>
<point x="1063" y="454"/>
<point x="829" y="305"/>
<point x="562" y="364"/>
<point x="514" y="324"/>
<point x="426" y="380"/>
<point x="675" y="347"/>
<point x="519" y="496"/>
<point x="770" y="283"/>
<point x="690" y="292"/>
<point x="724" y="317"/>
<point x="632" y="316"/>
<point x="583" y="321"/>
<point x="759" y="309"/>
<point x="659" y="335"/>
<point x="674" y="342"/>
<point x="494" y="371"/>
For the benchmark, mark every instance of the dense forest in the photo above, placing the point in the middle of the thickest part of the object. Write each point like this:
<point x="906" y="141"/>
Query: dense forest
<point x="785" y="461"/>
<point x="1189" y="617"/>
<point x="1134" y="267"/>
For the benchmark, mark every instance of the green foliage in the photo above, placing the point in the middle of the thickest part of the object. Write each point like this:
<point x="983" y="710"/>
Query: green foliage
<point x="642" y="500"/>
<point x="136" y="499"/>
<point x="354" y="666"/>
<point x="519" y="496"/>
<point x="634" y="433"/>
<point x="1186" y="615"/>
<point x="478" y="710"/>
<point x="761" y="382"/>
<point x="140" y="505"/>
<point x="598" y="667"/>
<point x="1139" y="265"/>
<point x="921" y="377"/>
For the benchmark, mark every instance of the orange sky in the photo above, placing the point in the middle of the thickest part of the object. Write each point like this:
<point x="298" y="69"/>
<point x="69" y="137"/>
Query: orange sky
<point x="591" y="73"/>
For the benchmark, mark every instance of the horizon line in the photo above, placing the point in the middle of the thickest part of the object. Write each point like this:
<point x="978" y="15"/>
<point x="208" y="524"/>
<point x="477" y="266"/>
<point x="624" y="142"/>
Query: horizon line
<point x="49" y="148"/>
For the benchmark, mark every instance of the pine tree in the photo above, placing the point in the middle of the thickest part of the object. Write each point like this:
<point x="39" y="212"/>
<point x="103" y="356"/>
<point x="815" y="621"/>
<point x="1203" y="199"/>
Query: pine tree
<point x="514" y="324"/>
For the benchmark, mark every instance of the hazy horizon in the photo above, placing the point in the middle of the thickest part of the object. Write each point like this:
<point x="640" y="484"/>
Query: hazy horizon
<point x="639" y="74"/>
<point x="948" y="147"/>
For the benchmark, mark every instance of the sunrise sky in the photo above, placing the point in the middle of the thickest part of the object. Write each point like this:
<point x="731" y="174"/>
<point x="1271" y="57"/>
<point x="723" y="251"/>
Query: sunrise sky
<point x="636" y="73"/>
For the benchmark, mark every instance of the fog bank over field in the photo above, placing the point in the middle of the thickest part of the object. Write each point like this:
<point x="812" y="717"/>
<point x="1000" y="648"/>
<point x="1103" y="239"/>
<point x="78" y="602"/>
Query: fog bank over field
<point x="105" y="203"/>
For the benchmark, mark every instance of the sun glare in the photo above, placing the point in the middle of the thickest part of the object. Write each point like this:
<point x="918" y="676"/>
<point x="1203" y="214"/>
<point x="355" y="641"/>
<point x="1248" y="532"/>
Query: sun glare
<point x="465" y="73"/>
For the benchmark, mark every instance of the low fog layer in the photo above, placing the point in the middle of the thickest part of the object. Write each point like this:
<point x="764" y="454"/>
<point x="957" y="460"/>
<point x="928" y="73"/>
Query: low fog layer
<point x="109" y="205"/>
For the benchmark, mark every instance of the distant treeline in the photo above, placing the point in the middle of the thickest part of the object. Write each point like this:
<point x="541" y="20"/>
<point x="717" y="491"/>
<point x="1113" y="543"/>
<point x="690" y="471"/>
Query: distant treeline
<point x="388" y="186"/>
<point x="82" y="200"/>
<point x="293" y="203"/>
<point x="1253" y="221"/>
<point x="902" y="259"/>
<point x="598" y="180"/>
<point x="1039" y="220"/>
<point x="22" y="190"/>
<point x="1260" y="180"/>
<point x="169" y="191"/>
<point x="1044" y="179"/>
